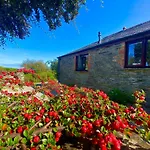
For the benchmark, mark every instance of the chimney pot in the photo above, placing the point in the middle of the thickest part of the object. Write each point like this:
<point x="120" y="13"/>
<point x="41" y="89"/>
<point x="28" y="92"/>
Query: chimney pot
<point x="99" y="37"/>
<point x="124" y="28"/>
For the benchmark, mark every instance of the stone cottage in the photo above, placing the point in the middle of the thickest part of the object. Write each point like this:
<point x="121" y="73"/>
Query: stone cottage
<point x="120" y="60"/>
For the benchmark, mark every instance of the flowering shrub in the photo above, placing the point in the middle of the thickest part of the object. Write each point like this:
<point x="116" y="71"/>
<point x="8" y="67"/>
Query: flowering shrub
<point x="24" y="70"/>
<point x="27" y="122"/>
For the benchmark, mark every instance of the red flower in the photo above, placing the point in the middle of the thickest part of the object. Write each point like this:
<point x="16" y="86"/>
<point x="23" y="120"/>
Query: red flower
<point x="37" y="118"/>
<point x="72" y="117"/>
<point x="42" y="111"/>
<point x="98" y="123"/>
<point x="36" y="139"/>
<point x="47" y="120"/>
<point x="58" y="134"/>
<point x="20" y="129"/>
<point x="142" y="98"/>
<point x="33" y="148"/>
<point x="56" y="139"/>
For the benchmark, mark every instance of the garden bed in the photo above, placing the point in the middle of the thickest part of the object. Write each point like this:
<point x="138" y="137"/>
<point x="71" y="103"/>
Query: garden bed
<point x="72" y="118"/>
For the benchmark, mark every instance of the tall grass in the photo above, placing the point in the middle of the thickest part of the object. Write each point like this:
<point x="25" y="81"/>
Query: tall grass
<point x="44" y="76"/>
<point x="7" y="69"/>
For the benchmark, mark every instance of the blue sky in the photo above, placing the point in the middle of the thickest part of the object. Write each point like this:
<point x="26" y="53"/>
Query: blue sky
<point x="45" y="45"/>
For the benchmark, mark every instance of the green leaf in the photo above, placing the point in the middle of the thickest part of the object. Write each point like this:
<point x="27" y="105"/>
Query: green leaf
<point x="40" y="135"/>
<point x="142" y="131"/>
<point x="9" y="142"/>
<point x="44" y="141"/>
<point x="46" y="106"/>
<point x="46" y="134"/>
<point x="24" y="140"/>
<point x="65" y="122"/>
<point x="42" y="147"/>
<point x="84" y="118"/>
<point x="58" y="107"/>
<point x="49" y="140"/>
<point x="109" y="145"/>
<point x="80" y="122"/>
<point x="148" y="135"/>
<point x="1" y="142"/>
<point x="25" y="133"/>
<point x="58" y="147"/>
<point x="32" y="121"/>
<point x="55" y="129"/>
<point x="14" y="125"/>
<point x="20" y="118"/>
<point x="16" y="140"/>
<point x="40" y="124"/>
<point x="30" y="132"/>
<point x="53" y="142"/>
<point x="103" y="129"/>
<point x="76" y="133"/>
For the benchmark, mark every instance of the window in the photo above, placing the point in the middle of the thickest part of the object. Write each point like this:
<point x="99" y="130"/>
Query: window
<point x="135" y="54"/>
<point x="138" y="54"/>
<point x="148" y="53"/>
<point x="82" y="62"/>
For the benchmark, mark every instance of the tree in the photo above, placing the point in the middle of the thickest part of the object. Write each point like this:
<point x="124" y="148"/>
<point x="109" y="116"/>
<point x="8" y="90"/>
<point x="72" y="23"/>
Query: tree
<point x="53" y="65"/>
<point x="16" y="16"/>
<point x="38" y="66"/>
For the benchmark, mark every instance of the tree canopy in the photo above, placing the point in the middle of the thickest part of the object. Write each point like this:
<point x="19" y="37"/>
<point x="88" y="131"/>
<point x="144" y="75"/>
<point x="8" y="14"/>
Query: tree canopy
<point x="37" y="65"/>
<point x="53" y="64"/>
<point x="16" y="16"/>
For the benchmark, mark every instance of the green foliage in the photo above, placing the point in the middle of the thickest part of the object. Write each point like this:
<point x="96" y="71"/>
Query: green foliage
<point x="36" y="65"/>
<point x="44" y="76"/>
<point x="17" y="16"/>
<point x="7" y="69"/>
<point x="42" y="70"/>
<point x="89" y="116"/>
<point x="53" y="66"/>
<point x="121" y="97"/>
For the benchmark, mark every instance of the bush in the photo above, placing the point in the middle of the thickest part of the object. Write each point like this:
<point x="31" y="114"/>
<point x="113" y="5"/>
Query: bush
<point x="29" y="122"/>
<point x="36" y="65"/>
<point x="53" y="66"/>
<point x="121" y="97"/>
<point x="44" y="76"/>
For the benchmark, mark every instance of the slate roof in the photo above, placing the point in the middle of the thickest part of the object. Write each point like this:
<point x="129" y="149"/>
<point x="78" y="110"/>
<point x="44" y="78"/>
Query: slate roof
<point x="129" y="32"/>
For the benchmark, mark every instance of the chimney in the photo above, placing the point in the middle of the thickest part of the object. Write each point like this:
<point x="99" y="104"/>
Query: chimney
<point x="124" y="28"/>
<point x="99" y="37"/>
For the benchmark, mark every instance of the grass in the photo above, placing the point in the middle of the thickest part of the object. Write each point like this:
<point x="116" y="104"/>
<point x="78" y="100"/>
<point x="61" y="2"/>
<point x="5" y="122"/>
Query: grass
<point x="44" y="76"/>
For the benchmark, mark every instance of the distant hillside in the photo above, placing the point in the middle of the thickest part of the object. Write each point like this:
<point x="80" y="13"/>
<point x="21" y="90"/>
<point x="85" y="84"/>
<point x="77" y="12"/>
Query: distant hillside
<point x="7" y="69"/>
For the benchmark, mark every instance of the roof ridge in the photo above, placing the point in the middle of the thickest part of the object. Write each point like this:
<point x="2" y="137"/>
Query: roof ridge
<point x="126" y="29"/>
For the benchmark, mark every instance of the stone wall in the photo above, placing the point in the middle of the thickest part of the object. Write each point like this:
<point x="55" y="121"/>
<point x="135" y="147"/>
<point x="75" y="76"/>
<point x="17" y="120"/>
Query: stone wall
<point x="106" y="71"/>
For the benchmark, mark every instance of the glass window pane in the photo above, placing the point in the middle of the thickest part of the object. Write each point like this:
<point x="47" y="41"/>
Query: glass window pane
<point x="84" y="62"/>
<point x="148" y="53"/>
<point x="135" y="54"/>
